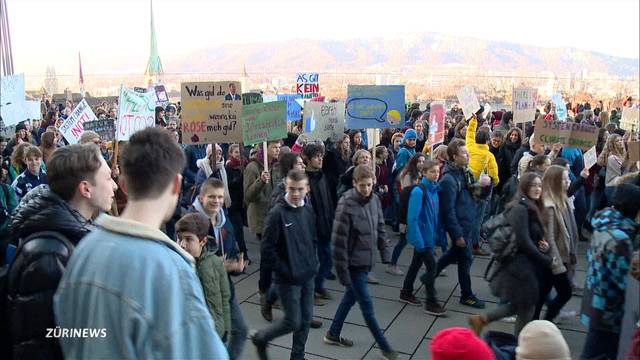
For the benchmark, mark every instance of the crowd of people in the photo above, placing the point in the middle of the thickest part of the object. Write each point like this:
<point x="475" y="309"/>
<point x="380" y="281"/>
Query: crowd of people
<point x="77" y="221"/>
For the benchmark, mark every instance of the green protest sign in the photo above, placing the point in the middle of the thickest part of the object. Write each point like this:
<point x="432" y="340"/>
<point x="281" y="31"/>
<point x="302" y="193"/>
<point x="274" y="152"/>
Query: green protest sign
<point x="264" y="122"/>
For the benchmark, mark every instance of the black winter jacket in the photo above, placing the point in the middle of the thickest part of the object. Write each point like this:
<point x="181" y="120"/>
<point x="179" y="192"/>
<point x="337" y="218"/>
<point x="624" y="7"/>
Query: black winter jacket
<point x="322" y="203"/>
<point x="357" y="230"/>
<point x="289" y="243"/>
<point x="37" y="269"/>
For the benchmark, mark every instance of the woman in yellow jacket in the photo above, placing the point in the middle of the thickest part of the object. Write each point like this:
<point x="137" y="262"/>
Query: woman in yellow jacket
<point x="481" y="163"/>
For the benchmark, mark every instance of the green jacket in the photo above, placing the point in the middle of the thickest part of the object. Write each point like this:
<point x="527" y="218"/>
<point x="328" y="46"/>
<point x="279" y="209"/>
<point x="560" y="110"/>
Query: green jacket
<point x="257" y="195"/>
<point x="217" y="294"/>
<point x="8" y="203"/>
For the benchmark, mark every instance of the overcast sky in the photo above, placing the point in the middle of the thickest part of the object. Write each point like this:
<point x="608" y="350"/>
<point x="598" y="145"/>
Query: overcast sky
<point x="114" y="34"/>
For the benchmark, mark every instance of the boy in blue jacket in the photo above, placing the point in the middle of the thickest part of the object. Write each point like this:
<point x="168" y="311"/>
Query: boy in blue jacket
<point x="422" y="225"/>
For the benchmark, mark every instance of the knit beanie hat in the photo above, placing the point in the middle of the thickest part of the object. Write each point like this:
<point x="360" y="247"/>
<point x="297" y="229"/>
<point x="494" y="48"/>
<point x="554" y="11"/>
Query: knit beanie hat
<point x="409" y="134"/>
<point x="21" y="126"/>
<point x="541" y="340"/>
<point x="459" y="344"/>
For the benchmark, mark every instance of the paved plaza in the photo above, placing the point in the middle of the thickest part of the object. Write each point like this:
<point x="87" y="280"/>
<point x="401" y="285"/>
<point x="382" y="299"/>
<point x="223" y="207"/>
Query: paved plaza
<point x="407" y="328"/>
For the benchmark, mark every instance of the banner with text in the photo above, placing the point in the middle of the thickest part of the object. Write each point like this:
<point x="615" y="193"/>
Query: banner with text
<point x="307" y="85"/>
<point x="105" y="128"/>
<point x="324" y="120"/>
<point x="294" y="109"/>
<point x="569" y="134"/>
<point x="524" y="104"/>
<point x="264" y="122"/>
<point x="468" y="101"/>
<point x="16" y="112"/>
<point x="73" y="126"/>
<point x="630" y="119"/>
<point x="437" y="114"/>
<point x="136" y="111"/>
<point x="561" y="107"/>
<point x="211" y="112"/>
<point x="11" y="89"/>
<point x="375" y="106"/>
<point x="252" y="98"/>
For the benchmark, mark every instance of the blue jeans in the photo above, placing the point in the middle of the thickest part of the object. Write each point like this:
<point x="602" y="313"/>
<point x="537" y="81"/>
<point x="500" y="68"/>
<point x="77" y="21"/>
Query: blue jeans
<point x="397" y="250"/>
<point x="297" y="303"/>
<point x="481" y="209"/>
<point x="358" y="292"/>
<point x="239" y="331"/>
<point x="600" y="345"/>
<point x="463" y="256"/>
<point x="324" y="258"/>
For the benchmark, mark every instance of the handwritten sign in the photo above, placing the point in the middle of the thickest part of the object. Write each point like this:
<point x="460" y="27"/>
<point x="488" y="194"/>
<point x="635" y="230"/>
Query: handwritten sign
<point x="569" y="134"/>
<point x="630" y="119"/>
<point x="264" y="122"/>
<point x="16" y="112"/>
<point x="162" y="99"/>
<point x="561" y="107"/>
<point x="524" y="104"/>
<point x="211" y="112"/>
<point x="136" y="111"/>
<point x="375" y="106"/>
<point x="634" y="151"/>
<point x="324" y="120"/>
<point x="251" y="98"/>
<point x="73" y="126"/>
<point x="590" y="158"/>
<point x="469" y="101"/>
<point x="105" y="128"/>
<point x="294" y="109"/>
<point x="11" y="89"/>
<point x="307" y="85"/>
<point x="437" y="114"/>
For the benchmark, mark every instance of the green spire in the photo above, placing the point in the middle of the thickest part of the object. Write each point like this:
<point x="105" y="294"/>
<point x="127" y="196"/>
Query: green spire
<point x="154" y="72"/>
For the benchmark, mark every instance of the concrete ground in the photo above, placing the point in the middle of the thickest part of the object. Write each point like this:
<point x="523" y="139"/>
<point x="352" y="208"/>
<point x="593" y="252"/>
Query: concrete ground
<point x="407" y="328"/>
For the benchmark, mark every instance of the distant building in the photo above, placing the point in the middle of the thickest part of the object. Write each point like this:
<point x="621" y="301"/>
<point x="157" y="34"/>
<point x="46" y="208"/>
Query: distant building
<point x="154" y="73"/>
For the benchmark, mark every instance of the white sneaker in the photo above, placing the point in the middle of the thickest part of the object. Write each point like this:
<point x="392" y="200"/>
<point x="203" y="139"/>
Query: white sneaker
<point x="443" y="273"/>
<point x="509" y="319"/>
<point x="371" y="279"/>
<point x="394" y="270"/>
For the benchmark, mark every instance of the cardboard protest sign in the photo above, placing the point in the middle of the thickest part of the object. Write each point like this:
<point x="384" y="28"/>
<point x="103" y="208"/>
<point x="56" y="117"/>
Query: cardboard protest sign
<point x="264" y="122"/>
<point x="105" y="128"/>
<point x="375" y="106"/>
<point x="162" y="99"/>
<point x="590" y="158"/>
<point x="211" y="112"/>
<point x="437" y="114"/>
<point x="307" y="85"/>
<point x="634" y="151"/>
<point x="469" y="101"/>
<point x="294" y="109"/>
<point x="567" y="133"/>
<point x="561" y="107"/>
<point x="11" y="89"/>
<point x="73" y="126"/>
<point x="252" y="98"/>
<point x="136" y="111"/>
<point x="630" y="119"/>
<point x="324" y="120"/>
<point x="16" y="112"/>
<point x="524" y="104"/>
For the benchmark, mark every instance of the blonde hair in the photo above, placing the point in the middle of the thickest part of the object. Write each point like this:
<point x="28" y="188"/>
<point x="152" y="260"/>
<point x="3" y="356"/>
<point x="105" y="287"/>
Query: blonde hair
<point x="552" y="186"/>
<point x="440" y="153"/>
<point x="610" y="149"/>
<point x="356" y="156"/>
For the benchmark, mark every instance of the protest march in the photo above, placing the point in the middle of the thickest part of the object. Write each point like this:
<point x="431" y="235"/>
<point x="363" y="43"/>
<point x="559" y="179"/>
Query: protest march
<point x="221" y="221"/>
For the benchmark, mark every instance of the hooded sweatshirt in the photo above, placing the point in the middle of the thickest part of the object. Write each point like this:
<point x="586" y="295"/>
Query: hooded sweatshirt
<point x="220" y="229"/>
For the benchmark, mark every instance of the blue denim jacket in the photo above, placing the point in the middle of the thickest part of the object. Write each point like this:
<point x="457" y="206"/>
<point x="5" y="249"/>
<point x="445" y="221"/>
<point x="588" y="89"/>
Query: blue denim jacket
<point x="138" y="285"/>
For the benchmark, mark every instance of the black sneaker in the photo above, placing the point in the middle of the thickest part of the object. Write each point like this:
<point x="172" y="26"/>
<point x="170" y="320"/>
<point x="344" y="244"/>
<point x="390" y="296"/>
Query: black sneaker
<point x="409" y="299"/>
<point x="336" y="340"/>
<point x="265" y="308"/>
<point x="472" y="301"/>
<point x="433" y="308"/>
<point x="323" y="294"/>
<point x="261" y="348"/>
<point x="315" y="324"/>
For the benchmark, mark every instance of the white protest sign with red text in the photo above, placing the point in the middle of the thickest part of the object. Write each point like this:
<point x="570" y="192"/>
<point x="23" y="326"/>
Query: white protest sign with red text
<point x="73" y="126"/>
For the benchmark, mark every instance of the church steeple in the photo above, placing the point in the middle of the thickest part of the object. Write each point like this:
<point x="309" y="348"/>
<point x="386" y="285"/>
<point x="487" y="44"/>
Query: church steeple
<point x="154" y="73"/>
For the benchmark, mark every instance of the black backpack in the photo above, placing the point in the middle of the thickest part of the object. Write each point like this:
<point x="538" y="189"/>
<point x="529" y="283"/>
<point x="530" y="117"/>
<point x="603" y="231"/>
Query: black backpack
<point x="403" y="205"/>
<point x="6" y="347"/>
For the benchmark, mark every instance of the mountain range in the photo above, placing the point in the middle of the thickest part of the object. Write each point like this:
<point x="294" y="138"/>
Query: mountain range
<point x="416" y="52"/>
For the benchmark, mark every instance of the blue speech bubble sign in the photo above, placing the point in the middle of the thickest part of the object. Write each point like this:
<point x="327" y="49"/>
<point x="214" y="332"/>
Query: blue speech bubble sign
<point x="354" y="110"/>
